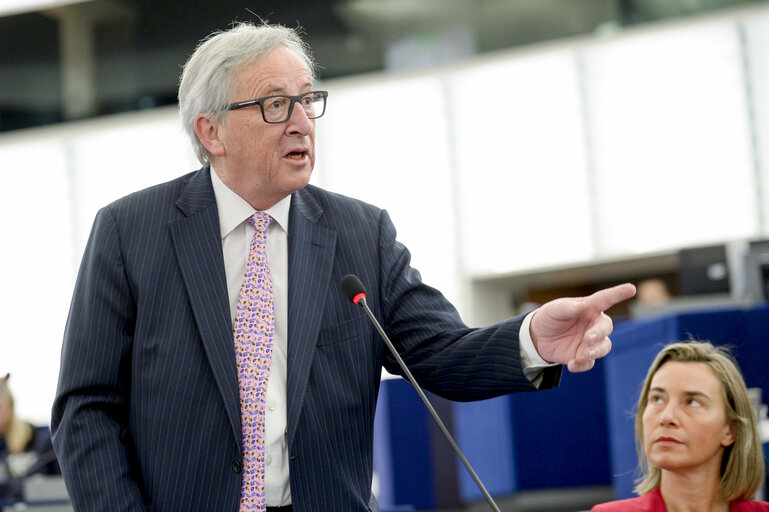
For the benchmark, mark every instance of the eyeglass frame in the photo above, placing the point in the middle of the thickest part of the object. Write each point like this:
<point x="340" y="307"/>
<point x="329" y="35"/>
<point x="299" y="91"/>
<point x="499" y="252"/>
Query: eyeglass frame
<point x="293" y="99"/>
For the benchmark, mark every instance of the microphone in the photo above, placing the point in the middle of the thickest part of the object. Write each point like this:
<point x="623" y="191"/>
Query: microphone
<point x="356" y="293"/>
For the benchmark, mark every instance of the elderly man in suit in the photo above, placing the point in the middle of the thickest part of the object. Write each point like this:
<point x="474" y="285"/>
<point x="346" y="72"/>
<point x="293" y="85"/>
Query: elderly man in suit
<point x="210" y="360"/>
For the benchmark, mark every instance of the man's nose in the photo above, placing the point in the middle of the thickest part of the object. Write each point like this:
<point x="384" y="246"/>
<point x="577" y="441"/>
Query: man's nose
<point x="298" y="122"/>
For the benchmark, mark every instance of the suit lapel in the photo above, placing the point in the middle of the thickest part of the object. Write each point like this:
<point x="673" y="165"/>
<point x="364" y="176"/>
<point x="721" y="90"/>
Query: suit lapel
<point x="310" y="258"/>
<point x="197" y="242"/>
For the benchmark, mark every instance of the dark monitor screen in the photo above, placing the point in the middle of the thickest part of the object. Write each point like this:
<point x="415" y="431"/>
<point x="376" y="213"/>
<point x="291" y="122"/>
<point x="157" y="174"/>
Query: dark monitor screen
<point x="703" y="270"/>
<point x="757" y="269"/>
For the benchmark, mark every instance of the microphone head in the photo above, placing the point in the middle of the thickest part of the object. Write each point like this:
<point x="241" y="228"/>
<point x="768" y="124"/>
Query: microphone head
<point x="353" y="288"/>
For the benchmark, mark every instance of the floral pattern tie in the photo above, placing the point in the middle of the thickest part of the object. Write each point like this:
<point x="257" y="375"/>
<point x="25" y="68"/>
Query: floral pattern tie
<point x="253" y="333"/>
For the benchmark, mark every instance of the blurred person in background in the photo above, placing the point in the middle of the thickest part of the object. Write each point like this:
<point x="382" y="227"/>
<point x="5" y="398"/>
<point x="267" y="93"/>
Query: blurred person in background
<point x="696" y="436"/>
<point x="25" y="450"/>
<point x="653" y="292"/>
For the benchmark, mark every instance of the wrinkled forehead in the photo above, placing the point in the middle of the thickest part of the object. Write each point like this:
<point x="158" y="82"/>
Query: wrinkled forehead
<point x="280" y="58"/>
<point x="278" y="71"/>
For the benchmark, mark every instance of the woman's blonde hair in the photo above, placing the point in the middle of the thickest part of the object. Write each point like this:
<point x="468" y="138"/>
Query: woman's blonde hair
<point x="18" y="433"/>
<point x="742" y="468"/>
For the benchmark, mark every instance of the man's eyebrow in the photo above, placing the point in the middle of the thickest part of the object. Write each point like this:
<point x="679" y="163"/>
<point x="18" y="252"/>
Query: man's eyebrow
<point x="274" y="90"/>
<point x="281" y="90"/>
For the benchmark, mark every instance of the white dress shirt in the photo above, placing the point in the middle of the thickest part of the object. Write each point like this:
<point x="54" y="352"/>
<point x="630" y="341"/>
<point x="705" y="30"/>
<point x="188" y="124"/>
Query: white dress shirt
<point x="236" y="243"/>
<point x="236" y="235"/>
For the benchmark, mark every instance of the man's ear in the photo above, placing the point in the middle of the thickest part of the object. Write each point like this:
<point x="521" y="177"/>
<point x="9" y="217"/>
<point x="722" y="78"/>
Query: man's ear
<point x="207" y="130"/>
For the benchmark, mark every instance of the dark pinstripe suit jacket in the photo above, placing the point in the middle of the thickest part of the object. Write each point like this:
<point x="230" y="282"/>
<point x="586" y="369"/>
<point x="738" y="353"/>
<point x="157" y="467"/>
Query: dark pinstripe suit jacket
<point x="147" y="414"/>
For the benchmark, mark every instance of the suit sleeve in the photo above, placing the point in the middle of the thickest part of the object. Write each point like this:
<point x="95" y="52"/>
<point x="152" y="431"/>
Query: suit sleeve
<point x="447" y="357"/>
<point x="89" y="419"/>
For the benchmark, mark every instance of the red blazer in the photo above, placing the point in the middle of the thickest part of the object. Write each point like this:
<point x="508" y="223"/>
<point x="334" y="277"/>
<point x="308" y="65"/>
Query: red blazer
<point x="652" y="502"/>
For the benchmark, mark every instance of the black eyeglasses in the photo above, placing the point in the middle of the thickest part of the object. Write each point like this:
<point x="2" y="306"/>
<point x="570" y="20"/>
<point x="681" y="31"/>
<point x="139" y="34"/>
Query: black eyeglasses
<point x="278" y="109"/>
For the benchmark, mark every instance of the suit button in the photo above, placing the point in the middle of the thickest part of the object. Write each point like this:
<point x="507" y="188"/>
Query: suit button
<point x="236" y="466"/>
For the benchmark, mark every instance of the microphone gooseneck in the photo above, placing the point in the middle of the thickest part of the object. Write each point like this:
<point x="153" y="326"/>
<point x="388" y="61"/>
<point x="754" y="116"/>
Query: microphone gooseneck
<point x="356" y="293"/>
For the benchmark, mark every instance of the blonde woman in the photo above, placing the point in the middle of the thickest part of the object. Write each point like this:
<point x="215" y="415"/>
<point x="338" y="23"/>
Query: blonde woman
<point x="24" y="449"/>
<point x="696" y="435"/>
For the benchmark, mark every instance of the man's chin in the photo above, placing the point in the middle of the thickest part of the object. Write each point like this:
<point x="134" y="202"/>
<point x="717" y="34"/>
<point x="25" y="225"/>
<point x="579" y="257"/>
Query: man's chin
<point x="298" y="181"/>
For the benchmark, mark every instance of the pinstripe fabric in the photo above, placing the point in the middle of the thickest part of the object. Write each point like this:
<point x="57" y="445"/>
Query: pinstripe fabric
<point x="146" y="415"/>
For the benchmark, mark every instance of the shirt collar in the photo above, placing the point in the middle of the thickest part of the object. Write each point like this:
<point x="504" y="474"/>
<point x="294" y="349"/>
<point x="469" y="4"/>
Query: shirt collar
<point x="234" y="210"/>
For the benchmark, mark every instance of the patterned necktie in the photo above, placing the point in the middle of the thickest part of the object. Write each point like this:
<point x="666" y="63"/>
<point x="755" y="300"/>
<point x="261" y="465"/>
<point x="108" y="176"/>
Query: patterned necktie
<point x="253" y="332"/>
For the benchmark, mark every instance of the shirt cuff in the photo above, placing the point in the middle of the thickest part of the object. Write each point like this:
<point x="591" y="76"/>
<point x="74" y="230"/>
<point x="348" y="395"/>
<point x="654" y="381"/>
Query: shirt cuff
<point x="532" y="363"/>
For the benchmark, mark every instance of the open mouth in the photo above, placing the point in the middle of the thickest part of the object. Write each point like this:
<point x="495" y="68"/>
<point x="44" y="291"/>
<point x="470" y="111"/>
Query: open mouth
<point x="296" y="155"/>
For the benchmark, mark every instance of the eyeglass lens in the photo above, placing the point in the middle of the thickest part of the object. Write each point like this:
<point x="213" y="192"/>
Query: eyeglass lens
<point x="277" y="109"/>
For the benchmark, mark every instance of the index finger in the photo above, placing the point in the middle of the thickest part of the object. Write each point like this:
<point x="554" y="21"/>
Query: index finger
<point x="606" y="298"/>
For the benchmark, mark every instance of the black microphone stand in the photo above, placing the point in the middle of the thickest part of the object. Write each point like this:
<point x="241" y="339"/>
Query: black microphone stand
<point x="360" y="299"/>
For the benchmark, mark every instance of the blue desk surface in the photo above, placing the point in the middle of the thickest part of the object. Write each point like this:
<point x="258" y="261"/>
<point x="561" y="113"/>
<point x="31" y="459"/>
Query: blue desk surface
<point x="527" y="441"/>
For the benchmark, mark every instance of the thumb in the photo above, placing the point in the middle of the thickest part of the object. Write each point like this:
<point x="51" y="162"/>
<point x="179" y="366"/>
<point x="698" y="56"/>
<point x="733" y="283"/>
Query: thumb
<point x="566" y="308"/>
<point x="551" y="318"/>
